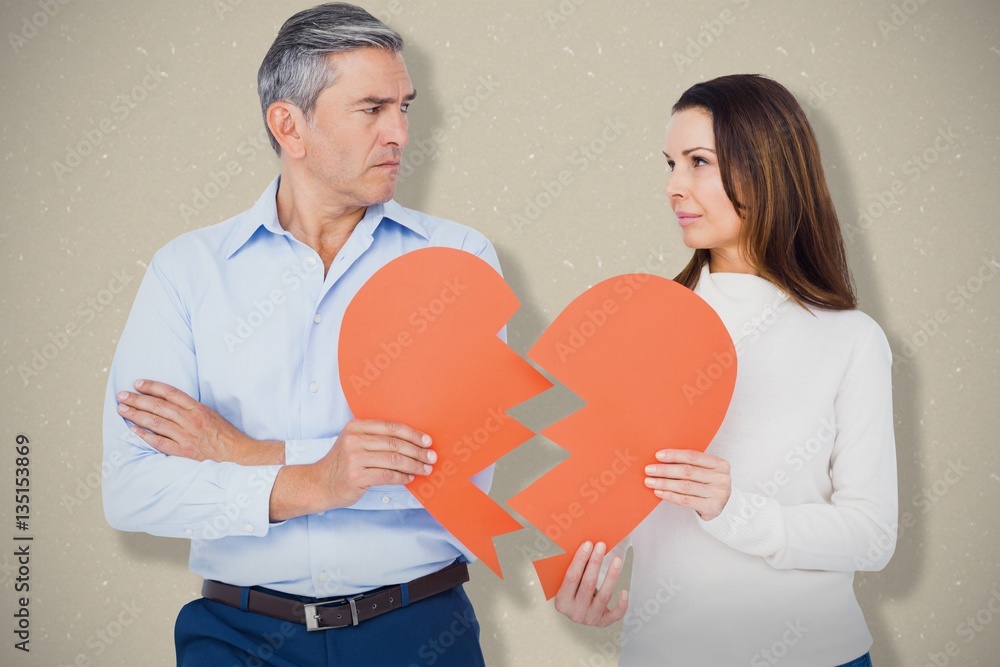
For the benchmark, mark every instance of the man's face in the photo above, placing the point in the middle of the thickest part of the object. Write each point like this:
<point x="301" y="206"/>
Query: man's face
<point x="356" y="133"/>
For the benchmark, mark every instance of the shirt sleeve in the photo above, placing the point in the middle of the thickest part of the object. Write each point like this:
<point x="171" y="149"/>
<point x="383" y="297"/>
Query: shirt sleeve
<point x="857" y="529"/>
<point x="145" y="490"/>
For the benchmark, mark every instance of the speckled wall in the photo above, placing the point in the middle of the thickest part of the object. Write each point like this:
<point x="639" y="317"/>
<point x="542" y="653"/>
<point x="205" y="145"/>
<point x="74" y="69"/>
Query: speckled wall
<point x="125" y="124"/>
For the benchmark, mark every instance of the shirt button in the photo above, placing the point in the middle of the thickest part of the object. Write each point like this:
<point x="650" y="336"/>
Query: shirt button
<point x="317" y="319"/>
<point x="321" y="512"/>
<point x="385" y="499"/>
<point x="311" y="261"/>
<point x="314" y="387"/>
<point x="248" y="527"/>
<point x="323" y="576"/>
<point x="187" y="531"/>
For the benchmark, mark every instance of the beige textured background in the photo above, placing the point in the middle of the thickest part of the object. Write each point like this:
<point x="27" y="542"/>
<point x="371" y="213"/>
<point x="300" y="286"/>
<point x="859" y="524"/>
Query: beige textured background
<point x="142" y="105"/>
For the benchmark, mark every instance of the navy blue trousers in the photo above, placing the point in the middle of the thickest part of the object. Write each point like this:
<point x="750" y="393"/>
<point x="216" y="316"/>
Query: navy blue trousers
<point x="441" y="631"/>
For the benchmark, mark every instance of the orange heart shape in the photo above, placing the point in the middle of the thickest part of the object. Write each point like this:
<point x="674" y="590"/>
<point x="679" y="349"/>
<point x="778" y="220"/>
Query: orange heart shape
<point x="657" y="368"/>
<point x="652" y="360"/>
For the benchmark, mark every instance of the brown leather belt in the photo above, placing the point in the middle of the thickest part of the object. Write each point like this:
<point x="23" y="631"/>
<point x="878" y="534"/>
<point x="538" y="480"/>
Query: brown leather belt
<point x="326" y="614"/>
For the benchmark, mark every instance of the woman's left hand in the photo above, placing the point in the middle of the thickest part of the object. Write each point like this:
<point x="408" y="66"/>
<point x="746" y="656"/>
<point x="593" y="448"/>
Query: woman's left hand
<point x="691" y="479"/>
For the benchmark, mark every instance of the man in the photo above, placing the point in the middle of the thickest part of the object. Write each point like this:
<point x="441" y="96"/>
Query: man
<point x="234" y="331"/>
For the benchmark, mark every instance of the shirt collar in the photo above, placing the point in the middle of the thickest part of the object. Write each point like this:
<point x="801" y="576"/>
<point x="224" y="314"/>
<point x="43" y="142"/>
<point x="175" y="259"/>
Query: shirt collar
<point x="264" y="214"/>
<point x="401" y="216"/>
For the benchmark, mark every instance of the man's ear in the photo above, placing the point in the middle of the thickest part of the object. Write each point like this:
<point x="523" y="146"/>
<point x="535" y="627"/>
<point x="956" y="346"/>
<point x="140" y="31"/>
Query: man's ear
<point x="285" y="121"/>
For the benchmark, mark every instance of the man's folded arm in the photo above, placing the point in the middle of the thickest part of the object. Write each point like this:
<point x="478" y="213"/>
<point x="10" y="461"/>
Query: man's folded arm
<point x="182" y="495"/>
<point x="144" y="489"/>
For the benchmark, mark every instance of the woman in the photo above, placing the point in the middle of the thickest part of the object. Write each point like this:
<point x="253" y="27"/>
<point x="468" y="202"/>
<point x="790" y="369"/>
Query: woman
<point x="750" y="558"/>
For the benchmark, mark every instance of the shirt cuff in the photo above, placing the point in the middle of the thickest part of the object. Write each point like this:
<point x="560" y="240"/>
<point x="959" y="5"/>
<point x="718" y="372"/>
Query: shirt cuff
<point x="304" y="452"/>
<point x="247" y="508"/>
<point x="387" y="497"/>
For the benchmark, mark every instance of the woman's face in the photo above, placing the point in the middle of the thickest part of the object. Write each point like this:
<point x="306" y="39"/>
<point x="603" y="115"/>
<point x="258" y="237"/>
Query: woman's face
<point x="705" y="213"/>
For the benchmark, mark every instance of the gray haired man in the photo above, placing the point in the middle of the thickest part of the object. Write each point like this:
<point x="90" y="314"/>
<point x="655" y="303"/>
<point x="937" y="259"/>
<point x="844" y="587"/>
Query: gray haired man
<point x="225" y="422"/>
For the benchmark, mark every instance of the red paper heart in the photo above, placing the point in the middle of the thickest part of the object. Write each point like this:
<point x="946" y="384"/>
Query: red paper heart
<point x="419" y="345"/>
<point x="657" y="368"/>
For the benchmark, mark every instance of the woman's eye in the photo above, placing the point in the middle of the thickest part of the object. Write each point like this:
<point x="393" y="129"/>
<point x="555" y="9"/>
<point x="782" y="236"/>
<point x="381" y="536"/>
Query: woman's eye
<point x="699" y="161"/>
<point x="670" y="165"/>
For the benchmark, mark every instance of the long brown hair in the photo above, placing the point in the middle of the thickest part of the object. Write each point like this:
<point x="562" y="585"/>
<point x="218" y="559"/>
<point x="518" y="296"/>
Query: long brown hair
<point x="772" y="173"/>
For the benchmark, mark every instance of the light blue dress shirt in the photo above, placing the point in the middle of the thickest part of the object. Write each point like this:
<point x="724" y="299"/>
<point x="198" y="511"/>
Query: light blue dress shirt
<point x="239" y="316"/>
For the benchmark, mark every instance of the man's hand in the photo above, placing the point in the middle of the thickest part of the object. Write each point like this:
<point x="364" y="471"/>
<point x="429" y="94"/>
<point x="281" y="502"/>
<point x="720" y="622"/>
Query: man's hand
<point x="177" y="425"/>
<point x="366" y="453"/>
<point x="578" y="597"/>
<point x="691" y="479"/>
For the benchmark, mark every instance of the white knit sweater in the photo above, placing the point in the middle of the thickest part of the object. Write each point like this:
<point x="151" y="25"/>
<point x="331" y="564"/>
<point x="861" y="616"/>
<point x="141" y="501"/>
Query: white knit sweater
<point x="809" y="437"/>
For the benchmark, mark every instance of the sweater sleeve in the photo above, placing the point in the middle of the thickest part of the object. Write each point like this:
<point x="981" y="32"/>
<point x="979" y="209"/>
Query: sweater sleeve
<point x="857" y="529"/>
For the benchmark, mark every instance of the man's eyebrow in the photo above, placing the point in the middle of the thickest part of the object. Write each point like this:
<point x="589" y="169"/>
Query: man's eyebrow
<point x="690" y="150"/>
<point x="379" y="101"/>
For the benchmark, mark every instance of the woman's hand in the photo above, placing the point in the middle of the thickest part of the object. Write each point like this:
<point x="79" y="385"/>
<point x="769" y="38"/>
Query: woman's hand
<point x="691" y="479"/>
<point x="578" y="597"/>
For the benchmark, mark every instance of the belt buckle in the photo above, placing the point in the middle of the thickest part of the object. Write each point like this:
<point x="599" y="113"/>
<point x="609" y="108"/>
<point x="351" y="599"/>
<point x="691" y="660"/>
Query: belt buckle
<point x="312" y="618"/>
